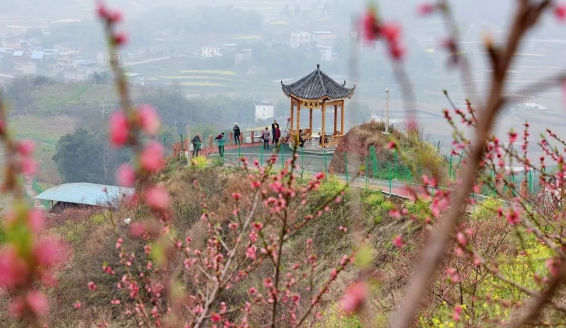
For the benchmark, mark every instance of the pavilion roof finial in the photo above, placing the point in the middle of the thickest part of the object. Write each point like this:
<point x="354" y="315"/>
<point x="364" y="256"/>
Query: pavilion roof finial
<point x="317" y="66"/>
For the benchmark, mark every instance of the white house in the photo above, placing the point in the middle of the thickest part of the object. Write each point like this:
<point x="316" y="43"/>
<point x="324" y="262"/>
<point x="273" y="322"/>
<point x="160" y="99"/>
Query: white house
<point x="299" y="39"/>
<point x="264" y="111"/>
<point x="104" y="58"/>
<point x="210" y="52"/>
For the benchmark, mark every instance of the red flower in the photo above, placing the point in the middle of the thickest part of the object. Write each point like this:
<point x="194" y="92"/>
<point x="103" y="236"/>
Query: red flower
<point x="215" y="317"/>
<point x="369" y="26"/>
<point x="157" y="198"/>
<point x="151" y="158"/>
<point x="398" y="241"/>
<point x="120" y="38"/>
<point x="148" y="118"/>
<point x="91" y="285"/>
<point x="125" y="175"/>
<point x="119" y="129"/>
<point x="391" y="32"/>
<point x="560" y="12"/>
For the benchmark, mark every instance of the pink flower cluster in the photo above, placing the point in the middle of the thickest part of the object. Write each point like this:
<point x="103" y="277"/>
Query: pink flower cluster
<point x="373" y="29"/>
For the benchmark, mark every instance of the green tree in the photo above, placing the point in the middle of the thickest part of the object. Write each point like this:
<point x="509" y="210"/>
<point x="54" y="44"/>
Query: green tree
<point x="82" y="156"/>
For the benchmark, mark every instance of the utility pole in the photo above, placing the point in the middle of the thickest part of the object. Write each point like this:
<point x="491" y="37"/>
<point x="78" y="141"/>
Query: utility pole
<point x="103" y="110"/>
<point x="386" y="130"/>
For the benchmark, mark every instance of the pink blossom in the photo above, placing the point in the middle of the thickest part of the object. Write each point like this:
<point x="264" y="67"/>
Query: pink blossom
<point x="12" y="268"/>
<point x="319" y="176"/>
<point x="120" y="38"/>
<point x="157" y="198"/>
<point x="119" y="129"/>
<point x="151" y="157"/>
<point x="28" y="166"/>
<point x="253" y="291"/>
<point x="333" y="273"/>
<point x="391" y="145"/>
<point x="92" y="286"/>
<point x="425" y="9"/>
<point x="49" y="252"/>
<point x="215" y="317"/>
<point x="250" y="253"/>
<point x="461" y="239"/>
<point x="512" y="217"/>
<point x="398" y="241"/>
<point x="26" y="147"/>
<point x="354" y="297"/>
<point x="257" y="226"/>
<point x="553" y="266"/>
<point x="236" y="196"/>
<point x="115" y="16"/>
<point x="391" y="32"/>
<point x="369" y="25"/>
<point x="36" y="220"/>
<point x="560" y="12"/>
<point x="268" y="283"/>
<point x="125" y="175"/>
<point x="148" y="119"/>
<point x="512" y="136"/>
<point x="37" y="302"/>
<point x="395" y="214"/>
<point x="78" y="305"/>
<point x="457" y="312"/>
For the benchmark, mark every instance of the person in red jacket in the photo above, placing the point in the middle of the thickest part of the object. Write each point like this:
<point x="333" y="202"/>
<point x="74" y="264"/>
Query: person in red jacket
<point x="277" y="135"/>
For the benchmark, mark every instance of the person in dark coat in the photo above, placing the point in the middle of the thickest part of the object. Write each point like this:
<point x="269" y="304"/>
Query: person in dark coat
<point x="301" y="140"/>
<point x="236" y="130"/>
<point x="196" y="145"/>
<point x="220" y="140"/>
<point x="277" y="135"/>
<point x="274" y="126"/>
<point x="265" y="136"/>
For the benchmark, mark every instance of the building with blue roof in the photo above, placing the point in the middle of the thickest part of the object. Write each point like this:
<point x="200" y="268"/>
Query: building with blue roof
<point x="85" y="194"/>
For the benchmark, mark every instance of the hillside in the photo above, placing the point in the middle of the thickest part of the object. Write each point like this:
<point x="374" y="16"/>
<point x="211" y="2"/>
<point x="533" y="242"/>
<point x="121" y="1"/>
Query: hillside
<point x="366" y="146"/>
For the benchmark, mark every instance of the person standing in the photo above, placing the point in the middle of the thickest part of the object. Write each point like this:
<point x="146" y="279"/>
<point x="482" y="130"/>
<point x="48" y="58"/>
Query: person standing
<point x="277" y="135"/>
<point x="236" y="130"/>
<point x="220" y="140"/>
<point x="274" y="126"/>
<point x="265" y="136"/>
<point x="196" y="145"/>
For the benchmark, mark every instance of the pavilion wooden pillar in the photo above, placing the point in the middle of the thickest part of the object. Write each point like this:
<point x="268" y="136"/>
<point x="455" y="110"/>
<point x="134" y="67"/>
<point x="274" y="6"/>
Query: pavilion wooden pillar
<point x="335" y="118"/>
<point x="310" y="120"/>
<point x="342" y="118"/>
<point x="323" y="136"/>
<point x="298" y="117"/>
<point x="292" y="113"/>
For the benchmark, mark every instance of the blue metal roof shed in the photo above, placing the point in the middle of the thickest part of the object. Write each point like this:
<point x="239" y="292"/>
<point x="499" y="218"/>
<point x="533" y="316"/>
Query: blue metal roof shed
<point x="85" y="194"/>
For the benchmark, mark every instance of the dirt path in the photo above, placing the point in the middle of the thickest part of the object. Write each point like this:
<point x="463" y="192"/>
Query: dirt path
<point x="29" y="190"/>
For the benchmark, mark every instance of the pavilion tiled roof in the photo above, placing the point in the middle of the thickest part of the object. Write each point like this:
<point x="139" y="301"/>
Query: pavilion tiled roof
<point x="318" y="85"/>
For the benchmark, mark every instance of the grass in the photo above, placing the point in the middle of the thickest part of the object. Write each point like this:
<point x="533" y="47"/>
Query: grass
<point x="54" y="97"/>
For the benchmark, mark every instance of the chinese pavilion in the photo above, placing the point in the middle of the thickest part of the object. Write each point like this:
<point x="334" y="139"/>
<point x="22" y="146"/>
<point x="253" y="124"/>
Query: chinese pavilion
<point x="317" y="91"/>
